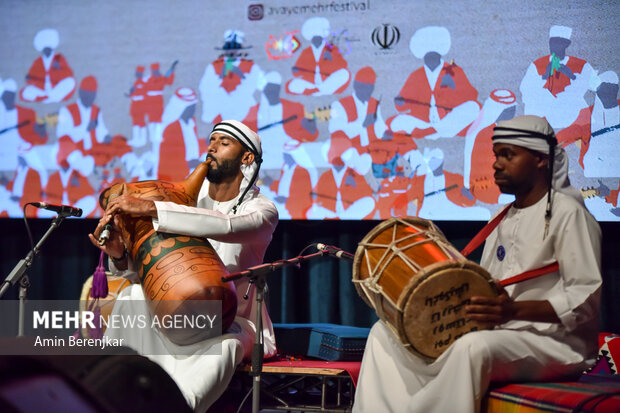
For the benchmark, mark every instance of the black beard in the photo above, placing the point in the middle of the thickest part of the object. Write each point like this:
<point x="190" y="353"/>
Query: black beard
<point x="507" y="187"/>
<point x="226" y="169"/>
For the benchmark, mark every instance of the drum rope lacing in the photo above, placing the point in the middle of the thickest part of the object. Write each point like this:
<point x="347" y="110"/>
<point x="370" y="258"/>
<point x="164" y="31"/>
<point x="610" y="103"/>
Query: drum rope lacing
<point x="391" y="252"/>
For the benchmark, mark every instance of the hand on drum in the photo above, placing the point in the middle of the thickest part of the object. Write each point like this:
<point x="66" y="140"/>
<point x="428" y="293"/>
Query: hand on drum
<point x="495" y="310"/>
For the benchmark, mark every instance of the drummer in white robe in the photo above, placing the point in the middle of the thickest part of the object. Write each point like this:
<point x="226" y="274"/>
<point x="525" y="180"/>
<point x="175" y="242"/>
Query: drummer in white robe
<point x="239" y="223"/>
<point x="545" y="328"/>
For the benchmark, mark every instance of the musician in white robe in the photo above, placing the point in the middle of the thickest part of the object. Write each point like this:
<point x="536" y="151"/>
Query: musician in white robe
<point x="545" y="328"/>
<point x="50" y="78"/>
<point x="437" y="100"/>
<point x="228" y="84"/>
<point x="555" y="86"/>
<point x="22" y="139"/>
<point x="238" y="222"/>
<point x="601" y="158"/>
<point x="596" y="132"/>
<point x="320" y="68"/>
<point x="603" y="152"/>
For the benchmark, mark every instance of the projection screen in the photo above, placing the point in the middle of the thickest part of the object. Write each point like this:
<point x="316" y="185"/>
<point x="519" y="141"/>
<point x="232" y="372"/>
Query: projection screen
<point x="366" y="109"/>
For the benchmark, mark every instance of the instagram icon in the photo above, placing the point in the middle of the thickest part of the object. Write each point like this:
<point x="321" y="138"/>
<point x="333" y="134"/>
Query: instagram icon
<point x="256" y="12"/>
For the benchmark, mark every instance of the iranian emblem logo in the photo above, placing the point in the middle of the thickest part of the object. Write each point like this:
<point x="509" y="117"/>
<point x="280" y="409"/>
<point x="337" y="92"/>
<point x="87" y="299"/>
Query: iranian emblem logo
<point x="385" y="36"/>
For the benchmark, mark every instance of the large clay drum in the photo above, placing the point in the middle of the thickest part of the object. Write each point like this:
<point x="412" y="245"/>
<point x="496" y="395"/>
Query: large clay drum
<point x="181" y="276"/>
<point x="419" y="284"/>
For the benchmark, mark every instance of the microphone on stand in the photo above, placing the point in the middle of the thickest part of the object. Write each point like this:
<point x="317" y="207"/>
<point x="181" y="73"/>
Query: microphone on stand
<point x="335" y="251"/>
<point x="65" y="210"/>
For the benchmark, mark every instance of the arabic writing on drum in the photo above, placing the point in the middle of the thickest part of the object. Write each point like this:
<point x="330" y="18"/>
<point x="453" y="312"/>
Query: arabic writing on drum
<point x="447" y="295"/>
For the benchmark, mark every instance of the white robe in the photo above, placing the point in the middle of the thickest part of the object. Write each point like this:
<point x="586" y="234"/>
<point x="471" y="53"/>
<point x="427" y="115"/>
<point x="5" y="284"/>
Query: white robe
<point x="79" y="133"/>
<point x="561" y="110"/>
<point x="394" y="380"/>
<point x="203" y="370"/>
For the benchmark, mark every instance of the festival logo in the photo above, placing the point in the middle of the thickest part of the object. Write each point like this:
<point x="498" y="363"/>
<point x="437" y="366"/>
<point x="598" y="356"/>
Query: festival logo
<point x="282" y="46"/>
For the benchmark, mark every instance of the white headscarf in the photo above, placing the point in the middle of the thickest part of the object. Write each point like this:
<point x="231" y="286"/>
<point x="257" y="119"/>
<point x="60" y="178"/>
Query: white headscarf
<point x="315" y="26"/>
<point x="251" y="141"/>
<point x="599" y="118"/>
<point x="536" y="134"/>
<point x="46" y="38"/>
<point x="430" y="39"/>
<point x="9" y="85"/>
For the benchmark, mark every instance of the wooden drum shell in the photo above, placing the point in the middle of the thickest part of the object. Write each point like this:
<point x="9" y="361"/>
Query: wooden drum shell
<point x="418" y="284"/>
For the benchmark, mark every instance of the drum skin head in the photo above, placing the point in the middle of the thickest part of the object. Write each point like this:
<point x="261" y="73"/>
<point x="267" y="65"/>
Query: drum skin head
<point x="434" y="310"/>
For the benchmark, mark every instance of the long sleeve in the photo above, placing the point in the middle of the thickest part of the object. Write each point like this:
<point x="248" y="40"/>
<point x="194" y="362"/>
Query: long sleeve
<point x="256" y="218"/>
<point x="578" y="249"/>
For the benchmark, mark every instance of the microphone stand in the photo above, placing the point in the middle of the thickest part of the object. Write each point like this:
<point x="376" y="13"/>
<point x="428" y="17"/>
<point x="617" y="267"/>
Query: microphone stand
<point x="256" y="276"/>
<point x="18" y="274"/>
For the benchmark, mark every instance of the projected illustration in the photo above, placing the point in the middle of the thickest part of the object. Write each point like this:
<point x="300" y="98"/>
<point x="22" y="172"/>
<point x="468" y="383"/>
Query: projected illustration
<point x="50" y="79"/>
<point x="363" y="114"/>
<point x="228" y="84"/>
<point x="437" y="99"/>
<point x="320" y="69"/>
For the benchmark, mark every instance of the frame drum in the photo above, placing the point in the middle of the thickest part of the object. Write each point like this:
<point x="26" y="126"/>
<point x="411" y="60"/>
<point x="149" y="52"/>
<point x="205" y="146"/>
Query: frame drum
<point x="419" y="284"/>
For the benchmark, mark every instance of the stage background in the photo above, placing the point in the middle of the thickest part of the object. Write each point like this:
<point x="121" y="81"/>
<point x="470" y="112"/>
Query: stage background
<point x="492" y="41"/>
<point x="492" y="45"/>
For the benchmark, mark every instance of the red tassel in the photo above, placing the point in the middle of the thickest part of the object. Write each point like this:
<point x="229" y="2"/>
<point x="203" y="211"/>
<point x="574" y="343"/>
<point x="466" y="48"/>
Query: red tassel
<point x="99" y="288"/>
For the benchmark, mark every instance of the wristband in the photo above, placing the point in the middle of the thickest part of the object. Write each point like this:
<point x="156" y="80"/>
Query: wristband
<point x="121" y="259"/>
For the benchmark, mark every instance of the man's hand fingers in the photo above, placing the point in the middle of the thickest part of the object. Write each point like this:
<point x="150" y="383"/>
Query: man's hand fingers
<point x="93" y="240"/>
<point x="102" y="222"/>
<point x="130" y="205"/>
<point x="483" y="300"/>
<point x="114" y="208"/>
<point x="484" y="313"/>
<point x="489" y="308"/>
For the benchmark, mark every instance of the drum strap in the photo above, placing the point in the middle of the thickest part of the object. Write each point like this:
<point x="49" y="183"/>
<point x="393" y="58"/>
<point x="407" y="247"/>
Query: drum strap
<point x="486" y="231"/>
<point x="554" y="266"/>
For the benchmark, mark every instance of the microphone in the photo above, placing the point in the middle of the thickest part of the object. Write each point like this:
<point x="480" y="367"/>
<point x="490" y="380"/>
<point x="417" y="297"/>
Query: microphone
<point x="59" y="209"/>
<point x="335" y="251"/>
